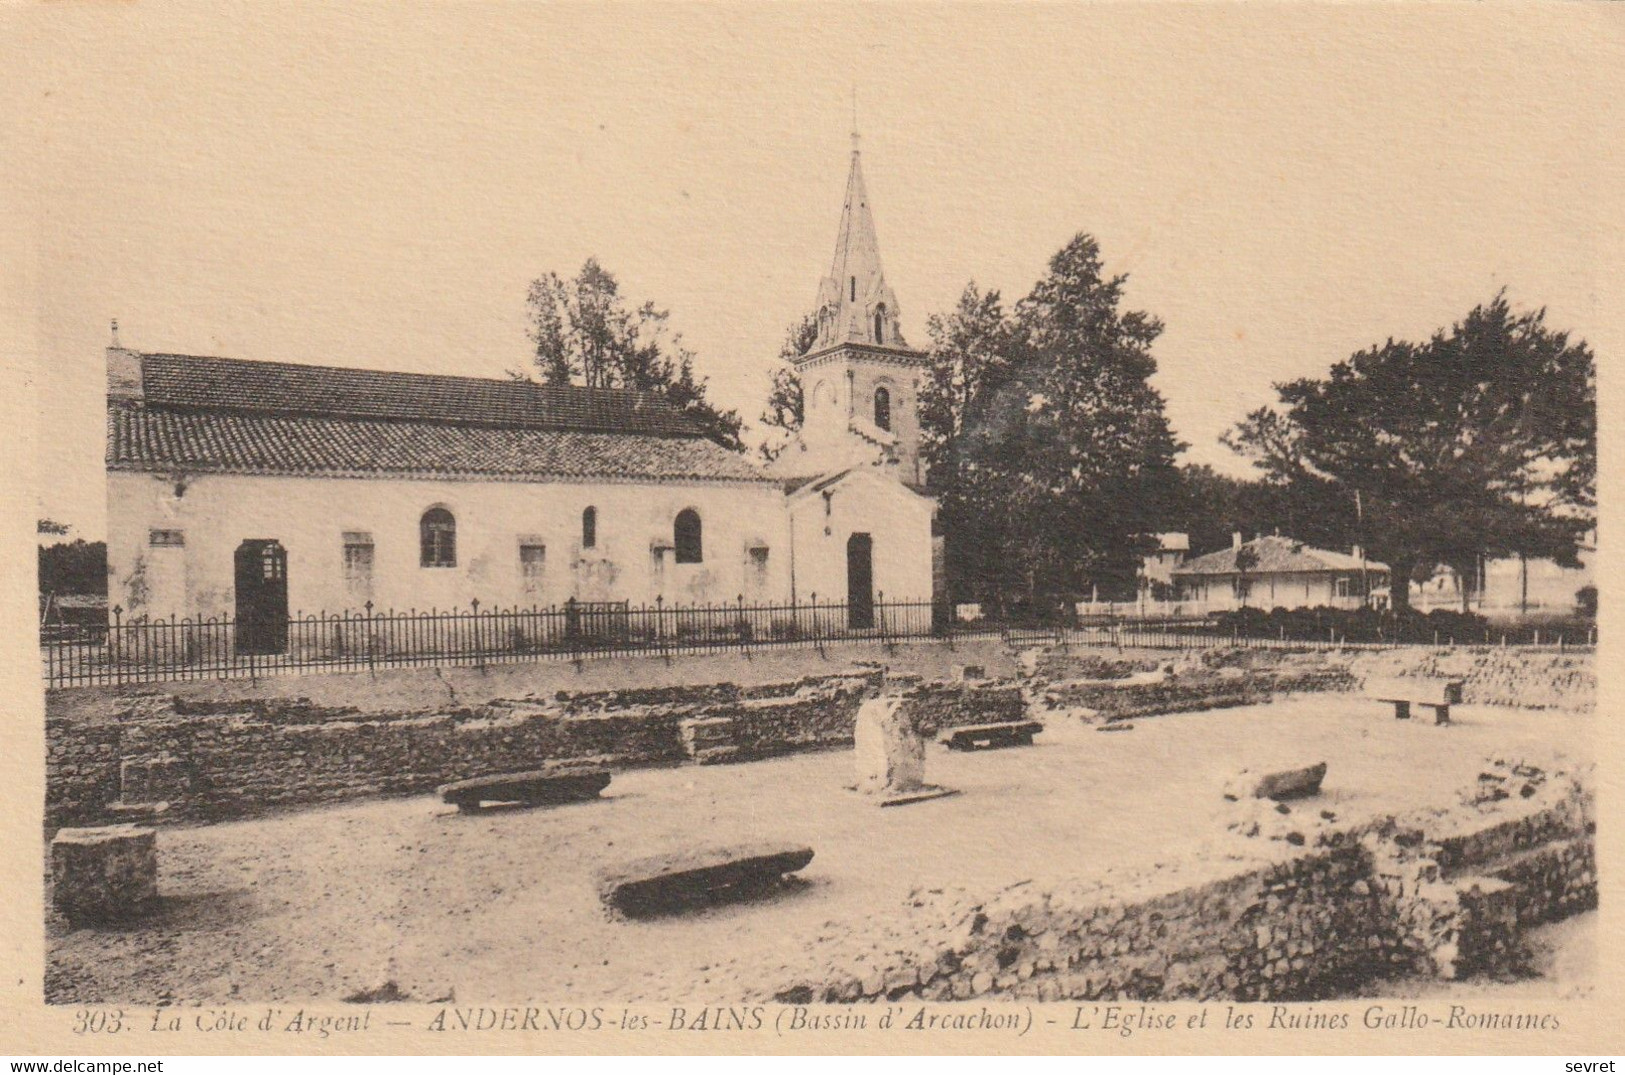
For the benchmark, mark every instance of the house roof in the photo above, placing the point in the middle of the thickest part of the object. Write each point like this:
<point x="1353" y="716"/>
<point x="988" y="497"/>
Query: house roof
<point x="1277" y="555"/>
<point x="213" y="415"/>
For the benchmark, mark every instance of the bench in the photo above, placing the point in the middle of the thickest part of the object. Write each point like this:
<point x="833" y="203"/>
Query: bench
<point x="991" y="736"/>
<point x="685" y="879"/>
<point x="542" y="788"/>
<point x="1402" y="693"/>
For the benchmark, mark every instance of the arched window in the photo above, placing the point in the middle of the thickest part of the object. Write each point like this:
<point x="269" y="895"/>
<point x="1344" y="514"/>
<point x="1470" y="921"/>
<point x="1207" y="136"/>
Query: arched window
<point x="437" y="536"/>
<point x="882" y="408"/>
<point x="880" y="324"/>
<point x="589" y="528"/>
<point x="686" y="536"/>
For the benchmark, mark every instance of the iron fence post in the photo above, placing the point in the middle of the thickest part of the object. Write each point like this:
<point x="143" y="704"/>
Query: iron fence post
<point x="660" y="626"/>
<point x="817" y="627"/>
<point x="117" y="651"/>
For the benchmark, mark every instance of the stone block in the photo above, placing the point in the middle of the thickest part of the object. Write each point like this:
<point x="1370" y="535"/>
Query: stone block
<point x="548" y="787"/>
<point x="104" y="874"/>
<point x="991" y="736"/>
<point x="709" y="740"/>
<point x="1299" y="783"/>
<point x="686" y="879"/>
<point x="890" y="754"/>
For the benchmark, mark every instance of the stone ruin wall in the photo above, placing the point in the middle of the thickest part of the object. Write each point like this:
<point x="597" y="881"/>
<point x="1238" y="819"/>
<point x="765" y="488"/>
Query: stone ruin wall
<point x="220" y="758"/>
<point x="1110" y="682"/>
<point x="1494" y="675"/>
<point x="1443" y="895"/>
<point x="230" y="756"/>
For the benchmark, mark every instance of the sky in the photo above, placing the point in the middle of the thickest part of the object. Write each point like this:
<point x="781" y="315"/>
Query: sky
<point x="376" y="185"/>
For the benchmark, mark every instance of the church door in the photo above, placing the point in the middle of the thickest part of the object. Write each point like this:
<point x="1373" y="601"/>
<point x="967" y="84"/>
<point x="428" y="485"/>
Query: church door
<point x="262" y="597"/>
<point x="860" y="581"/>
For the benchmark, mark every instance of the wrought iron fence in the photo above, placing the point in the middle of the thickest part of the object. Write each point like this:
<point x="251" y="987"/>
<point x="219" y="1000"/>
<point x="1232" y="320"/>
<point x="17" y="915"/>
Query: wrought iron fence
<point x="148" y="650"/>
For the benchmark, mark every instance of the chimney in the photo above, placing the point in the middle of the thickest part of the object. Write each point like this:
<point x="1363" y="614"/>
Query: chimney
<point x="1358" y="553"/>
<point x="1235" y="539"/>
<point x="123" y="370"/>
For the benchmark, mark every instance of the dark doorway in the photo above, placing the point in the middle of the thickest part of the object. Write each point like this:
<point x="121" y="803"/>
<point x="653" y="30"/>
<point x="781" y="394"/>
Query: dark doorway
<point x="262" y="597"/>
<point x="860" y="581"/>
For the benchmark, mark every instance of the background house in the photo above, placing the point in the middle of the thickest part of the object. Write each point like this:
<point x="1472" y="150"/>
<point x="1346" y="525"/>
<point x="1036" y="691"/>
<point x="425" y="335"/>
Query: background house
<point x="1277" y="572"/>
<point x="1157" y="568"/>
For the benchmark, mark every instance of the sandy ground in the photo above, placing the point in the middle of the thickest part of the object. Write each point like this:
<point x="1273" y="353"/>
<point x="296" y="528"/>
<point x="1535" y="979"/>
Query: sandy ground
<point x="323" y="902"/>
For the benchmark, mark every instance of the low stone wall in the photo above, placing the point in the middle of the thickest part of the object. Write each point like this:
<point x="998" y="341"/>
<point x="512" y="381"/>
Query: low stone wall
<point x="1119" y="685"/>
<point x="218" y="758"/>
<point x="1124" y="688"/>
<point x="425" y="689"/>
<point x="1363" y="903"/>
<point x="1493" y="675"/>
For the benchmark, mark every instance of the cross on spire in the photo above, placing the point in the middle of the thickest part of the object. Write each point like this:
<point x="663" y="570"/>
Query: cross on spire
<point x="854" y="117"/>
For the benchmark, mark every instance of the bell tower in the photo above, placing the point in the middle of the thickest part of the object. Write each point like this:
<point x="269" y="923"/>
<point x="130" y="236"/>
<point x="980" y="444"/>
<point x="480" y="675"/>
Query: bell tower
<point x="860" y="381"/>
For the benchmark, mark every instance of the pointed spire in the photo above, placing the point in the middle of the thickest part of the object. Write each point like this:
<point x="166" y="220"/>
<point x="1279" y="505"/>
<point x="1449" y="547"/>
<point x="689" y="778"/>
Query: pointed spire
<point x="854" y="303"/>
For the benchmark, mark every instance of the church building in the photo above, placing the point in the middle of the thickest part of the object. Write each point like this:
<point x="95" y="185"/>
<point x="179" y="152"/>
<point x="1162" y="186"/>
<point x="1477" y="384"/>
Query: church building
<point x="247" y="489"/>
<point x="854" y="472"/>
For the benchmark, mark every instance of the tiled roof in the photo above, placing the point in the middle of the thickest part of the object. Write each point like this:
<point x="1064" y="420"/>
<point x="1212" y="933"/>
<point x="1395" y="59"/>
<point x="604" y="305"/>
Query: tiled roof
<point x="230" y="384"/>
<point x="1277" y="555"/>
<point x="160" y="438"/>
<point x="221" y="415"/>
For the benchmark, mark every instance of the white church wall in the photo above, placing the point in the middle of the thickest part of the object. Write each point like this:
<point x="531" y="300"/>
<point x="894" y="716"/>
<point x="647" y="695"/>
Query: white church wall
<point x="633" y="558"/>
<point x="898" y="521"/>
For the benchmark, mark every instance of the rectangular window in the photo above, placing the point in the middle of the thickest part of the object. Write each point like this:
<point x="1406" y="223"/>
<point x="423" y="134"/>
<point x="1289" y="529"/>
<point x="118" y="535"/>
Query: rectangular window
<point x="166" y="539"/>
<point x="358" y="564"/>
<point x="1342" y="587"/>
<point x="532" y="563"/>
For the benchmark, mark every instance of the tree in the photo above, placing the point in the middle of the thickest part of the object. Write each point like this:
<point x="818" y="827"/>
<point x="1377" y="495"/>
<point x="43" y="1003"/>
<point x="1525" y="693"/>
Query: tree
<point x="585" y="333"/>
<point x="784" y="413"/>
<point x="972" y="349"/>
<point x="1479" y="442"/>
<point x="1585" y="601"/>
<point x="1049" y="448"/>
<point x="1246" y="560"/>
<point x="1213" y="506"/>
<point x="78" y="567"/>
